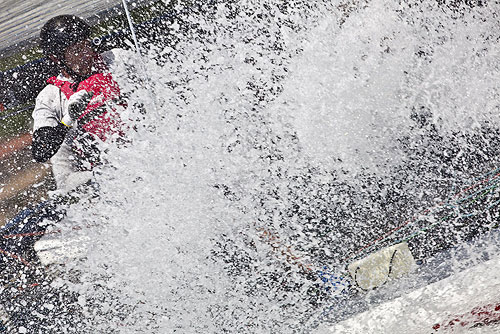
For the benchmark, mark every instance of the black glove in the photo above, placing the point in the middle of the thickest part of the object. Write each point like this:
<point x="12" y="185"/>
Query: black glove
<point x="77" y="104"/>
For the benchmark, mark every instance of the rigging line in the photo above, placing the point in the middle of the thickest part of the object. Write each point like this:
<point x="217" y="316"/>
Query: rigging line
<point x="30" y="234"/>
<point x="470" y="200"/>
<point x="391" y="232"/>
<point x="484" y="193"/>
<point x="449" y="216"/>
<point x="17" y="112"/>
<point x="414" y="234"/>
<point x="289" y="255"/>
<point x="494" y="171"/>
<point x="492" y="184"/>
<point x="442" y="219"/>
<point x="485" y="180"/>
<point x="494" y="204"/>
<point x="425" y="212"/>
<point x="411" y="236"/>
<point x="14" y="256"/>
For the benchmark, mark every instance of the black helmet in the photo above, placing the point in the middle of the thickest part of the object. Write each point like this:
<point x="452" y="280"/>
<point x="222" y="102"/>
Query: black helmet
<point x="60" y="32"/>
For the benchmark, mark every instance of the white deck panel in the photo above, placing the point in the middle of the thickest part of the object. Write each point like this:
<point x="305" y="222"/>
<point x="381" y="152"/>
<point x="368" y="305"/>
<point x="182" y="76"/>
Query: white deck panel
<point x="439" y="302"/>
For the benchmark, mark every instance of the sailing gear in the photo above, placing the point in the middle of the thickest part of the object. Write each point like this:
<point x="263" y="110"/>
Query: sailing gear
<point x="99" y="118"/>
<point x="57" y="142"/>
<point x="58" y="34"/>
<point x="47" y="140"/>
<point x="77" y="104"/>
<point x="88" y="104"/>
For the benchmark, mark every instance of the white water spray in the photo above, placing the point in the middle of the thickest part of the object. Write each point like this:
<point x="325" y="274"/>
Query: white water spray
<point x="322" y="122"/>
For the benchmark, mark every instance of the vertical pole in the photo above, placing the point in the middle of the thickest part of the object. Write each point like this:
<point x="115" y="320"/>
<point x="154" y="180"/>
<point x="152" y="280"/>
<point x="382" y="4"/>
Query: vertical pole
<point x="131" y="25"/>
<point x="138" y="50"/>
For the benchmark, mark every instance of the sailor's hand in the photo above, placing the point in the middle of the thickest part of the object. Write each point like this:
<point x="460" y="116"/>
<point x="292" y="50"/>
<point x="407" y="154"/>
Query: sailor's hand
<point x="77" y="104"/>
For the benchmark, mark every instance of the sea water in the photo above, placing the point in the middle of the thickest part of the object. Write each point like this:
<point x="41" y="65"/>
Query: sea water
<point x="276" y="139"/>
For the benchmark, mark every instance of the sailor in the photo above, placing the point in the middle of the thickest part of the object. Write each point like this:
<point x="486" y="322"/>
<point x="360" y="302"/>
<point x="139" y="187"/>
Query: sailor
<point x="72" y="113"/>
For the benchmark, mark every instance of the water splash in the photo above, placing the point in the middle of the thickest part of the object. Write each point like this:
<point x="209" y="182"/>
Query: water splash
<point x="322" y="123"/>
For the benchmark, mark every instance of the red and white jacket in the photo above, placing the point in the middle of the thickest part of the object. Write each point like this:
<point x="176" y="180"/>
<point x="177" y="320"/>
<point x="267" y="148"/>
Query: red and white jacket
<point x="68" y="167"/>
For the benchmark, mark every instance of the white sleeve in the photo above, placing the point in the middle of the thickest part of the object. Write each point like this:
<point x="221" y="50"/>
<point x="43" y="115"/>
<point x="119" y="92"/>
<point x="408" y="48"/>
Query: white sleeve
<point x="48" y="108"/>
